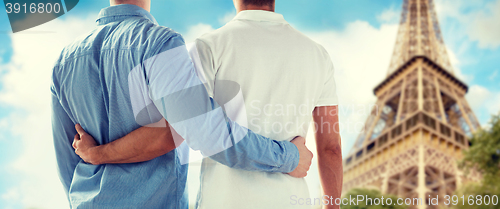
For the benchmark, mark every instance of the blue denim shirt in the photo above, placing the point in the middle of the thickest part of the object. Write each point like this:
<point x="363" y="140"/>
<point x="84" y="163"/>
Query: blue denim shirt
<point x="129" y="72"/>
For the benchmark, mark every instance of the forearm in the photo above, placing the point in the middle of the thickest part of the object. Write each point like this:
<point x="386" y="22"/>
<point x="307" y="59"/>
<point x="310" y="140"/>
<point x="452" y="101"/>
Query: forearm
<point x="143" y="144"/>
<point x="248" y="150"/>
<point x="230" y="144"/>
<point x="329" y="148"/>
<point x="331" y="172"/>
<point x="257" y="153"/>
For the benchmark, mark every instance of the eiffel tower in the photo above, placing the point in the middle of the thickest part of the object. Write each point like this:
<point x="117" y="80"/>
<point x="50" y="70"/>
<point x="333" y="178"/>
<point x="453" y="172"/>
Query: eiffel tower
<point x="421" y="122"/>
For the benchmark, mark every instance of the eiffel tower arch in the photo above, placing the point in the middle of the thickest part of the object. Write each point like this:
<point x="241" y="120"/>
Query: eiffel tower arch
<point x="421" y="122"/>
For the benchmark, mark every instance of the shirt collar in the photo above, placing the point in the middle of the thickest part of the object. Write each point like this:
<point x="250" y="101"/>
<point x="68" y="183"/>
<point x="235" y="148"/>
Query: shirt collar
<point x="260" y="15"/>
<point x="121" y="12"/>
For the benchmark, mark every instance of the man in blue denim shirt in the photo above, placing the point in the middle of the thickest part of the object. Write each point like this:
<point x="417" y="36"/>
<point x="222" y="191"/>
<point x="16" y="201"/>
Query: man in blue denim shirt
<point x="129" y="72"/>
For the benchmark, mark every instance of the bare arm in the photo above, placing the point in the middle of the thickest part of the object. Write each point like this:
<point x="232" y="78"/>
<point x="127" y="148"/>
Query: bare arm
<point x="143" y="144"/>
<point x="329" y="150"/>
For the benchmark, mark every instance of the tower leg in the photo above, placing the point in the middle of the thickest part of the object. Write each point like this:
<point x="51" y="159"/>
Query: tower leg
<point x="421" y="190"/>
<point x="385" y="178"/>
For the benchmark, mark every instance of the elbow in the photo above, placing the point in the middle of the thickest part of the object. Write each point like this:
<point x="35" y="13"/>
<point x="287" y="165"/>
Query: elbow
<point x="165" y="144"/>
<point x="331" y="150"/>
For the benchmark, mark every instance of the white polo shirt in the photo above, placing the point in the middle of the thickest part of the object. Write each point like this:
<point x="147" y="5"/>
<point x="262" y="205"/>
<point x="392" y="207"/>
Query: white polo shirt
<point x="282" y="75"/>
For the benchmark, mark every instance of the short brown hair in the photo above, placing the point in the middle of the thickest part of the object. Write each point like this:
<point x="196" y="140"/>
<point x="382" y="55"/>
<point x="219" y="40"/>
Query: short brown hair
<point x="258" y="2"/>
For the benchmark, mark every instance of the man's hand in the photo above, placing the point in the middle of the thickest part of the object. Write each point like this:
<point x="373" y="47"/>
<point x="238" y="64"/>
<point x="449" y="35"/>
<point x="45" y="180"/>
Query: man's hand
<point x="140" y="145"/>
<point x="85" y="146"/>
<point x="305" y="158"/>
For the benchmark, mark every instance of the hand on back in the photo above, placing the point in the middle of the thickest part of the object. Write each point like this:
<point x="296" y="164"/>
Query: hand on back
<point x="305" y="158"/>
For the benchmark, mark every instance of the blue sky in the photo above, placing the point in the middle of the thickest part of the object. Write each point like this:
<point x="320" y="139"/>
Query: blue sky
<point x="349" y="29"/>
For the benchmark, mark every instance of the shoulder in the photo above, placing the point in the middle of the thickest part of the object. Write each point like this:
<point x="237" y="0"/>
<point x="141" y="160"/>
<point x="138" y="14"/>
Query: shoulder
<point x="143" y="36"/>
<point x="220" y="35"/>
<point x="307" y="41"/>
<point x="147" y="36"/>
<point x="162" y="38"/>
<point x="312" y="46"/>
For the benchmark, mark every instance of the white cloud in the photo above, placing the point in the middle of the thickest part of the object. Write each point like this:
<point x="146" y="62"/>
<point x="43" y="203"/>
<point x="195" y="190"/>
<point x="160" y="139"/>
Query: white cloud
<point x="480" y="19"/>
<point x="196" y="31"/>
<point x="494" y="75"/>
<point x="477" y="96"/>
<point x="27" y="90"/>
<point x="4" y="124"/>
<point x="455" y="63"/>
<point x="480" y="98"/>
<point x="2" y="52"/>
<point x="228" y="17"/>
<point x="449" y="8"/>
<point x="492" y="105"/>
<point x="11" y="194"/>
<point x="485" y="26"/>
<point x="390" y="15"/>
<point x="12" y="197"/>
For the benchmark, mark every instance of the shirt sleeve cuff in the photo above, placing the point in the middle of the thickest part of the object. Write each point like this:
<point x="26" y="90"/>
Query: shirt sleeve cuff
<point x="291" y="157"/>
<point x="327" y="102"/>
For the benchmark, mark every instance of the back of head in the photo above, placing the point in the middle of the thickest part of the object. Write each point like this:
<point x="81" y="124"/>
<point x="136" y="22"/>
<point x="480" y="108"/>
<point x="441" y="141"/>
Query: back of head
<point x="145" y="4"/>
<point x="241" y="5"/>
<point x="259" y="2"/>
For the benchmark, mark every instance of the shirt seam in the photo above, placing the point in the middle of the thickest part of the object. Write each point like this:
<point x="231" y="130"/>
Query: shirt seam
<point x="89" y="52"/>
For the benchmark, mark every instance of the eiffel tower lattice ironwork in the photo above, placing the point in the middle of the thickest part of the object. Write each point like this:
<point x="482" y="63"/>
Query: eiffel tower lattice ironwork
<point x="421" y="122"/>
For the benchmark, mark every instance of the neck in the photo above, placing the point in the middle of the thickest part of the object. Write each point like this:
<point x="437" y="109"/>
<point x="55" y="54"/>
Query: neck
<point x="269" y="8"/>
<point x="146" y="5"/>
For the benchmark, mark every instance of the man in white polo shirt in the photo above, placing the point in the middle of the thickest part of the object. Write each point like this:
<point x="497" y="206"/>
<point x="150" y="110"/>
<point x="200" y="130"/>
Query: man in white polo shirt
<point x="286" y="79"/>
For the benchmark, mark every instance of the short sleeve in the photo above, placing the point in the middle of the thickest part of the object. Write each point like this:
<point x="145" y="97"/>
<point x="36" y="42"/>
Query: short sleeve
<point x="203" y="60"/>
<point x="328" y="95"/>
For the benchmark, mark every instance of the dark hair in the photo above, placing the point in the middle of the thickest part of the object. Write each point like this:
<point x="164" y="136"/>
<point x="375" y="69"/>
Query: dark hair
<point x="258" y="2"/>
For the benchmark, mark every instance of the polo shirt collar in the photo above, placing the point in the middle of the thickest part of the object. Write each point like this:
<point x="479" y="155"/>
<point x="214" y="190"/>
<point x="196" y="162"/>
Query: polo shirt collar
<point x="260" y="15"/>
<point x="121" y="12"/>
